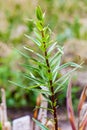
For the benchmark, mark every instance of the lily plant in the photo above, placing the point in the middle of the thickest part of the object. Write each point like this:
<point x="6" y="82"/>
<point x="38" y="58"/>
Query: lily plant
<point x="45" y="65"/>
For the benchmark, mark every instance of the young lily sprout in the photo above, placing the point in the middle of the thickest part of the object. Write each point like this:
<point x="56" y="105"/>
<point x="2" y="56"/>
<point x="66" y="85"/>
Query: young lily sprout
<point x="44" y="68"/>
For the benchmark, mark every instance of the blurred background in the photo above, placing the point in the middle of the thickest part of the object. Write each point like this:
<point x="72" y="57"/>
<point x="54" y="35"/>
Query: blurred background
<point x="68" y="21"/>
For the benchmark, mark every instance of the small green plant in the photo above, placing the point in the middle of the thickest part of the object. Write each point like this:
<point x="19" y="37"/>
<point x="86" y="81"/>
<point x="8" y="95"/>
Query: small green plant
<point x="44" y="67"/>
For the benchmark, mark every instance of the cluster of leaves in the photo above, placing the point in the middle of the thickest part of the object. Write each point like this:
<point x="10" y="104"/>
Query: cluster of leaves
<point x="38" y="61"/>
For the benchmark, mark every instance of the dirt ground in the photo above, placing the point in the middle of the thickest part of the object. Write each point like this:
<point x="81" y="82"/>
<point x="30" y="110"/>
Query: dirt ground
<point x="14" y="113"/>
<point x="65" y="125"/>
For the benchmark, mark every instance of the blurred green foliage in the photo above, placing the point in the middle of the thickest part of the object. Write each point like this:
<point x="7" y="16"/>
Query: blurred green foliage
<point x="11" y="70"/>
<point x="63" y="16"/>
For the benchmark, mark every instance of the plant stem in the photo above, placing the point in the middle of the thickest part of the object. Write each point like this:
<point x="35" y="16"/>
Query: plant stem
<point x="51" y="87"/>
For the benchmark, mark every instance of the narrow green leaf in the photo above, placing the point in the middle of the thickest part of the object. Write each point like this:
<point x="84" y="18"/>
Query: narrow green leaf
<point x="71" y="64"/>
<point x="24" y="87"/>
<point x="60" y="85"/>
<point x="32" y="88"/>
<point x="45" y="92"/>
<point x="43" y="74"/>
<point x="60" y="48"/>
<point x="39" y="13"/>
<point x="53" y="46"/>
<point x="23" y="54"/>
<point x="31" y="74"/>
<point x="34" y="40"/>
<point x="37" y="54"/>
<point x="54" y="58"/>
<point x="36" y="80"/>
<point x="56" y="65"/>
<point x="51" y="110"/>
<point x="39" y="25"/>
<point x="56" y="62"/>
<point x="37" y="34"/>
<point x="43" y="127"/>
<point x="17" y="84"/>
<point x="65" y="75"/>
<point x="54" y="76"/>
<point x="40" y="70"/>
<point x="29" y="67"/>
<point x="27" y="56"/>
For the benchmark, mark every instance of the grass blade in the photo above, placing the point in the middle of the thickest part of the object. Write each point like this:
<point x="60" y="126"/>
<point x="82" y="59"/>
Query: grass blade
<point x="83" y="124"/>
<point x="37" y="54"/>
<point x="70" y="108"/>
<point x="40" y="125"/>
<point x="82" y="99"/>
<point x="34" y="40"/>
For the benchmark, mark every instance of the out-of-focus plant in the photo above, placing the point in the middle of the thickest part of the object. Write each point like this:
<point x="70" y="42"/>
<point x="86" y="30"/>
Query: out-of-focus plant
<point x="10" y="70"/>
<point x="73" y="30"/>
<point x="82" y="110"/>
